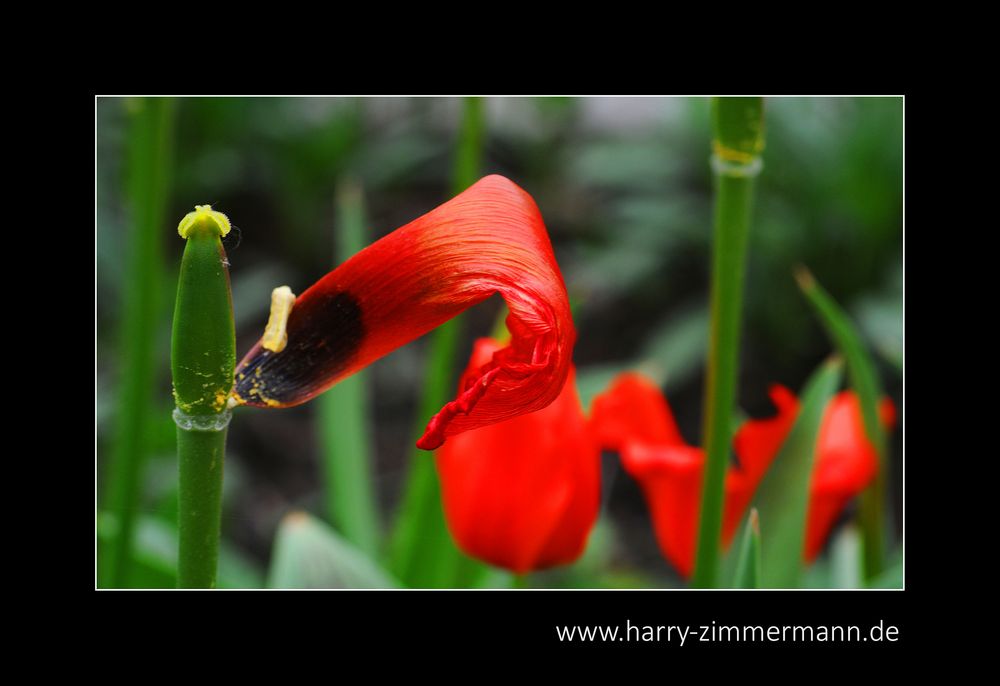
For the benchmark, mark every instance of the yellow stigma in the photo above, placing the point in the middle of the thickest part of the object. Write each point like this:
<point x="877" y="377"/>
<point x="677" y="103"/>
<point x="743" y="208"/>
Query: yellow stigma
<point x="275" y="337"/>
<point x="204" y="215"/>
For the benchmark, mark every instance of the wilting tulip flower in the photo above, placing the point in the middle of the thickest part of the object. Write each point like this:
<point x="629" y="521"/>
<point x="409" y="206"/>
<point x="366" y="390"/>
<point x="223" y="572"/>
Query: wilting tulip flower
<point x="489" y="239"/>
<point x="522" y="494"/>
<point x="670" y="471"/>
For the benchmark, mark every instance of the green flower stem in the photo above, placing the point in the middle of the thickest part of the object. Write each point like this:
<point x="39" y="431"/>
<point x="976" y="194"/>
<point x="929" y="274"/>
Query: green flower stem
<point x="203" y="357"/>
<point x="344" y="428"/>
<point x="423" y="553"/>
<point x="200" y="458"/>
<point x="738" y="139"/>
<point x="149" y="145"/>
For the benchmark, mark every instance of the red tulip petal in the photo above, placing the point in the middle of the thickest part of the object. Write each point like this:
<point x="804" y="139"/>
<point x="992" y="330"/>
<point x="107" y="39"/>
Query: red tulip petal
<point x="887" y="413"/>
<point x="756" y="444"/>
<point x="523" y="494"/>
<point x="490" y="239"/>
<point x="633" y="409"/>
<point x="671" y="480"/>
<point x="824" y="510"/>
<point x="670" y="477"/>
<point x="633" y="417"/>
<point x="847" y="462"/>
<point x="739" y="491"/>
<point x="758" y="441"/>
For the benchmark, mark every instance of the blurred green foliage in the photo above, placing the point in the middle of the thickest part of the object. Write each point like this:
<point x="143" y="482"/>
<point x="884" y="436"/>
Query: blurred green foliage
<point x="309" y="554"/>
<point x="625" y="189"/>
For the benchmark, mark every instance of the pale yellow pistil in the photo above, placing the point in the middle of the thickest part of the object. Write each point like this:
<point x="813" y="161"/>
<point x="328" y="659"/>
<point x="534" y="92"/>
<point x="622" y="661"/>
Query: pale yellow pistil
<point x="275" y="336"/>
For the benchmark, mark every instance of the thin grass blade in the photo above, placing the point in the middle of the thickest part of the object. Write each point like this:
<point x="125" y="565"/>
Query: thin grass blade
<point x="783" y="498"/>
<point x="149" y="163"/>
<point x="864" y="379"/>
<point x="747" y="573"/>
<point x="423" y="554"/>
<point x="343" y="414"/>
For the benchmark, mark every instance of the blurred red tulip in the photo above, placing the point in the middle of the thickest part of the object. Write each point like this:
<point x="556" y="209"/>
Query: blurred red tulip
<point x="847" y="463"/>
<point x="523" y="494"/>
<point x="670" y="471"/>
<point x="489" y="239"/>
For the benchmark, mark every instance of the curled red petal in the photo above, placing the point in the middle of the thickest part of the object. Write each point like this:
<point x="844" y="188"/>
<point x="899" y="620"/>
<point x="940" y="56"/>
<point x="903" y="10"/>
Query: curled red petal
<point x="633" y="417"/>
<point x="524" y="494"/>
<point x="633" y="409"/>
<point x="670" y="477"/>
<point x="489" y="239"/>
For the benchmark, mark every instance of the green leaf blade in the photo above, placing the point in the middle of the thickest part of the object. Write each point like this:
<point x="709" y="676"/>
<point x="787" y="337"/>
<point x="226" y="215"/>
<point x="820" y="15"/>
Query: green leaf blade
<point x="149" y="149"/>
<point x="344" y="424"/>
<point x="864" y="380"/>
<point x="309" y="554"/>
<point x="748" y="570"/>
<point x="784" y="495"/>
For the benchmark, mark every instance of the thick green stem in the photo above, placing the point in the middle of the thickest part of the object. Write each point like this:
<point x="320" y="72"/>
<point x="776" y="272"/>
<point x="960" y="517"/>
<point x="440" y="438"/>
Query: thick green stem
<point x="203" y="356"/>
<point x="423" y="553"/>
<point x="738" y="139"/>
<point x="148" y="182"/>
<point x="200" y="456"/>
<point x="343" y="415"/>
